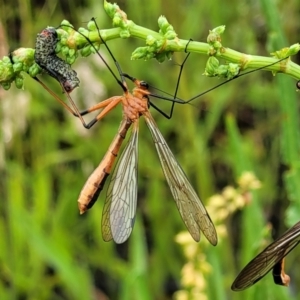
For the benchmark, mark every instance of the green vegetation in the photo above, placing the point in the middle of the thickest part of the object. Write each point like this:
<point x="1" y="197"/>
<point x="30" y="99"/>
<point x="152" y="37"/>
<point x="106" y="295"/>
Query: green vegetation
<point x="239" y="145"/>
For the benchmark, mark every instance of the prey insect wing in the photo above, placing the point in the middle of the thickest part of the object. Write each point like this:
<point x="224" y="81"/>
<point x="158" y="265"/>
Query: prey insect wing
<point x="267" y="259"/>
<point x="191" y="209"/>
<point x="120" y="204"/>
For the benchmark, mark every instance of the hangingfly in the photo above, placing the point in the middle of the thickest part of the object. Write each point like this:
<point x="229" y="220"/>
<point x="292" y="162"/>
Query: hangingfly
<point x="270" y="258"/>
<point x="120" y="204"/>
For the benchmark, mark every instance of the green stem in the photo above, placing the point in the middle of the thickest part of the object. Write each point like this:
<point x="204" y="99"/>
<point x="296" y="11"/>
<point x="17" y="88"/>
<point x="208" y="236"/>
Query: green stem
<point x="159" y="45"/>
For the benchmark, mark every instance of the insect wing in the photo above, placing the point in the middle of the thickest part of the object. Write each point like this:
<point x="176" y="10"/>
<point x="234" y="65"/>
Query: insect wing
<point x="191" y="209"/>
<point x="120" y="205"/>
<point x="267" y="259"/>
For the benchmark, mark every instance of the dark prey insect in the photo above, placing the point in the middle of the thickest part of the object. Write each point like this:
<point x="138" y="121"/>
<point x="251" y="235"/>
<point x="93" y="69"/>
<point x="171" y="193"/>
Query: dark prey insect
<point x="47" y="59"/>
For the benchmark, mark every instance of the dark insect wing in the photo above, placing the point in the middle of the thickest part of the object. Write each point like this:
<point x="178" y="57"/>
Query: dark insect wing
<point x="191" y="209"/>
<point x="120" y="205"/>
<point x="267" y="259"/>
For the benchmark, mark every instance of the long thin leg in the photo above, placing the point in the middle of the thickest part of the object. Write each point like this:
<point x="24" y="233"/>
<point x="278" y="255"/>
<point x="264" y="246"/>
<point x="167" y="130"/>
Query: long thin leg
<point x="55" y="96"/>
<point x="107" y="104"/>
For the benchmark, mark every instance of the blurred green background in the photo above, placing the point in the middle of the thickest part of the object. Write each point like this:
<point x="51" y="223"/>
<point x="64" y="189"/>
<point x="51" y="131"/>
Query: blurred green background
<point x="49" y="251"/>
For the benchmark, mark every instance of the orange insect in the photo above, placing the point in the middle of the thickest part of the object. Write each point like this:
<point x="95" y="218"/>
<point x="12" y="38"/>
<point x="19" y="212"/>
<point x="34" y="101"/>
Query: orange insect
<point x="270" y="258"/>
<point x="120" y="204"/>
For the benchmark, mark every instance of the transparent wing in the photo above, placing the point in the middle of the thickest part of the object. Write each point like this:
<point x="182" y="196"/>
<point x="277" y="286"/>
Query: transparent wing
<point x="267" y="259"/>
<point x="191" y="209"/>
<point x="120" y="204"/>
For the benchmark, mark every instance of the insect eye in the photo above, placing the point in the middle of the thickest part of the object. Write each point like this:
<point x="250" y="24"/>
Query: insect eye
<point x="144" y="84"/>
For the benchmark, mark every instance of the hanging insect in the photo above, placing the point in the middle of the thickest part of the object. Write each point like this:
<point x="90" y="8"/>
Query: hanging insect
<point x="120" y="204"/>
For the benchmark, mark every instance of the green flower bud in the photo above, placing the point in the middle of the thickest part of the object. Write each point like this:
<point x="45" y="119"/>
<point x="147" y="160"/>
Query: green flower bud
<point x="70" y="60"/>
<point x="213" y="62"/>
<point x="19" y="81"/>
<point x="285" y="52"/>
<point x="163" y="24"/>
<point x="6" y="69"/>
<point x="110" y="8"/>
<point x="66" y="22"/>
<point x="83" y="31"/>
<point x="161" y="57"/>
<point x="211" y="67"/>
<point x="86" y="51"/>
<point x="65" y="50"/>
<point x="58" y="47"/>
<point x="68" y="26"/>
<point x="217" y="45"/>
<point x="5" y="60"/>
<point x="34" y="70"/>
<point x="18" y="67"/>
<point x="294" y="49"/>
<point x="63" y="41"/>
<point x="91" y="26"/>
<point x="117" y="20"/>
<point x="169" y="55"/>
<point x="222" y="71"/>
<point x="142" y="52"/>
<point x="6" y="85"/>
<point x="233" y="70"/>
<point x="72" y="52"/>
<point x="171" y="35"/>
<point x="219" y="30"/>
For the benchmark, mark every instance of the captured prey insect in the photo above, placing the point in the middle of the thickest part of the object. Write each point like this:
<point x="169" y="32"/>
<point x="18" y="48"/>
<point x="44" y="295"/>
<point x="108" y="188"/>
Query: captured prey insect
<point x="121" y="199"/>
<point x="270" y="258"/>
<point x="46" y="58"/>
<point x="57" y="68"/>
